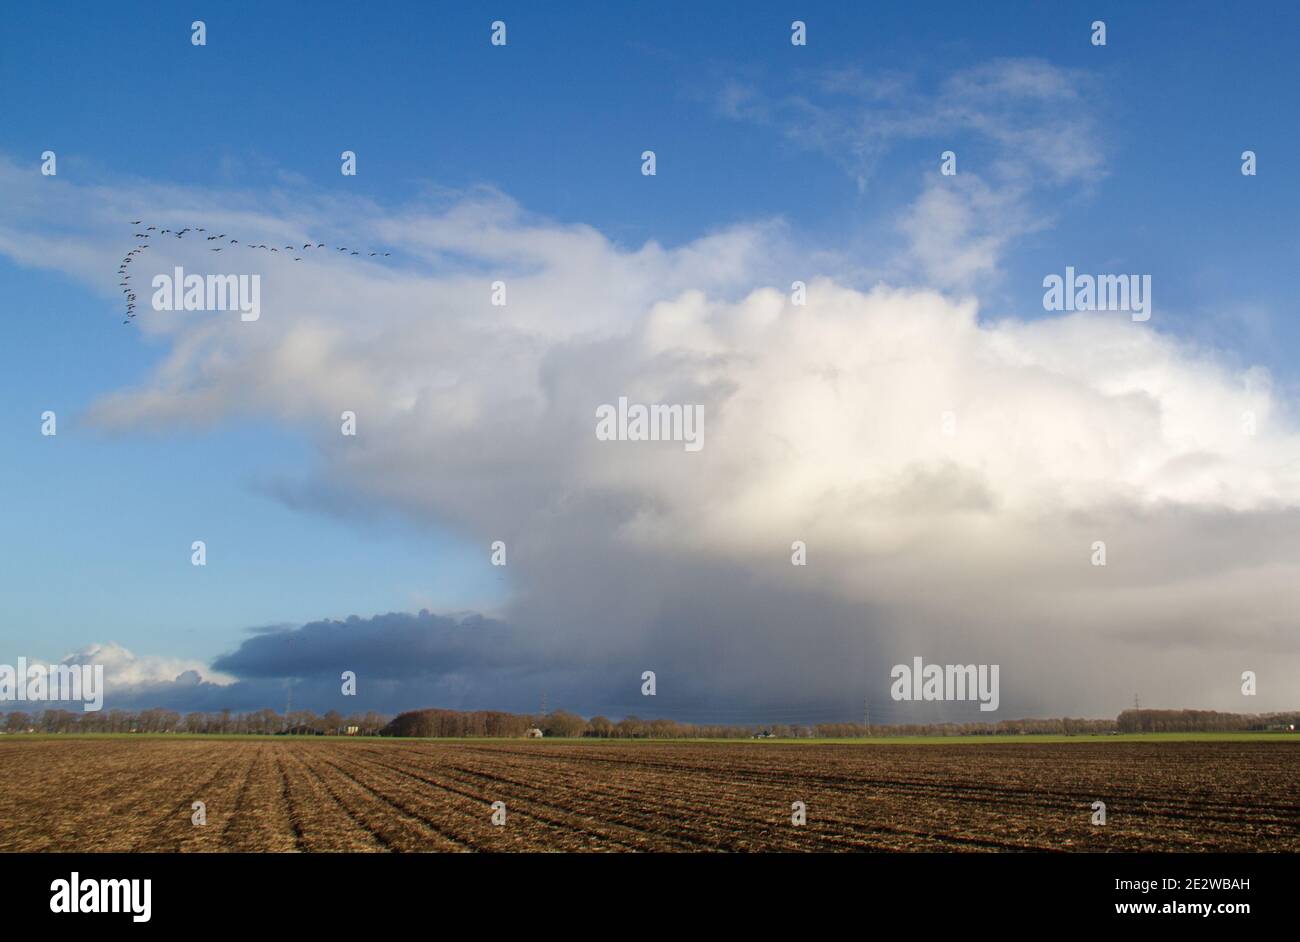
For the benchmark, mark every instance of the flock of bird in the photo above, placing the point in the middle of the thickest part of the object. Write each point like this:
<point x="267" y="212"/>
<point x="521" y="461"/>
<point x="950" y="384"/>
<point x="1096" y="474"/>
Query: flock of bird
<point x="224" y="241"/>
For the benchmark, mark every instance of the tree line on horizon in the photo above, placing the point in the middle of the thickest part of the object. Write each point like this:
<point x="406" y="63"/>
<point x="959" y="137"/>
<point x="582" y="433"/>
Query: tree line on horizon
<point x="441" y="723"/>
<point x="224" y="722"/>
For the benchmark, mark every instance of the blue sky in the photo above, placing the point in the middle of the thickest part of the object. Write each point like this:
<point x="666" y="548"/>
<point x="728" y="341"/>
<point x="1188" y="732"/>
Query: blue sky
<point x="748" y="131"/>
<point x="552" y="118"/>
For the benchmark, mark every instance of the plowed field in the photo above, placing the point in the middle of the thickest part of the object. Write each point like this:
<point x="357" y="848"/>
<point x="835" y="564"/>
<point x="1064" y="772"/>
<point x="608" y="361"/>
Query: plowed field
<point x="129" y="794"/>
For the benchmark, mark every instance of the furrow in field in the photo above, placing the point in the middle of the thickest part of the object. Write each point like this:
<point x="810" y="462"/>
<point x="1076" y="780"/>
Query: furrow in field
<point x="292" y="814"/>
<point x="220" y="797"/>
<point x="861" y="817"/>
<point x="996" y="820"/>
<point x="561" y="826"/>
<point x="261" y="820"/>
<point x="56" y="798"/>
<point x="399" y="827"/>
<point x="671" y="811"/>
<point x="469" y="811"/>
<point x="325" y="822"/>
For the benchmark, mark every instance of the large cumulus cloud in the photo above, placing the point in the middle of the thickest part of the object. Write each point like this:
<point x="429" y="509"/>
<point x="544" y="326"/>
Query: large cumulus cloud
<point x="950" y="469"/>
<point x="949" y="475"/>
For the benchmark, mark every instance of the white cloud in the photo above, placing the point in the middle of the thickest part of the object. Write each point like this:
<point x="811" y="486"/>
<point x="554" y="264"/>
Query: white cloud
<point x="128" y="677"/>
<point x="125" y="671"/>
<point x="823" y="423"/>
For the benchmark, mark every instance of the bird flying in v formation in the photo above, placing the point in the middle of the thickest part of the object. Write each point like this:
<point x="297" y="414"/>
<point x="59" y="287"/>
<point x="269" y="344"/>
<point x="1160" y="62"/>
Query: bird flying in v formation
<point x="143" y="245"/>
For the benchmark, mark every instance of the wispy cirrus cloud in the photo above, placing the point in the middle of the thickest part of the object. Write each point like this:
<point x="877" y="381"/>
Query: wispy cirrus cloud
<point x="1039" y="118"/>
<point x="1021" y="129"/>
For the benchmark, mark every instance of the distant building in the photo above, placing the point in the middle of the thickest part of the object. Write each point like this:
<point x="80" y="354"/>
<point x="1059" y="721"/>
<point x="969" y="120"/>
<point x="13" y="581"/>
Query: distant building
<point x="534" y="733"/>
<point x="352" y="730"/>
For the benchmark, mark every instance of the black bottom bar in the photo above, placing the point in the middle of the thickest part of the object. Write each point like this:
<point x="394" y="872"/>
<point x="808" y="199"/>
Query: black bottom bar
<point x="335" y="892"/>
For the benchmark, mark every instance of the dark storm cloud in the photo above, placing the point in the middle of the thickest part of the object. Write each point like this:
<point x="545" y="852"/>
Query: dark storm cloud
<point x="396" y="646"/>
